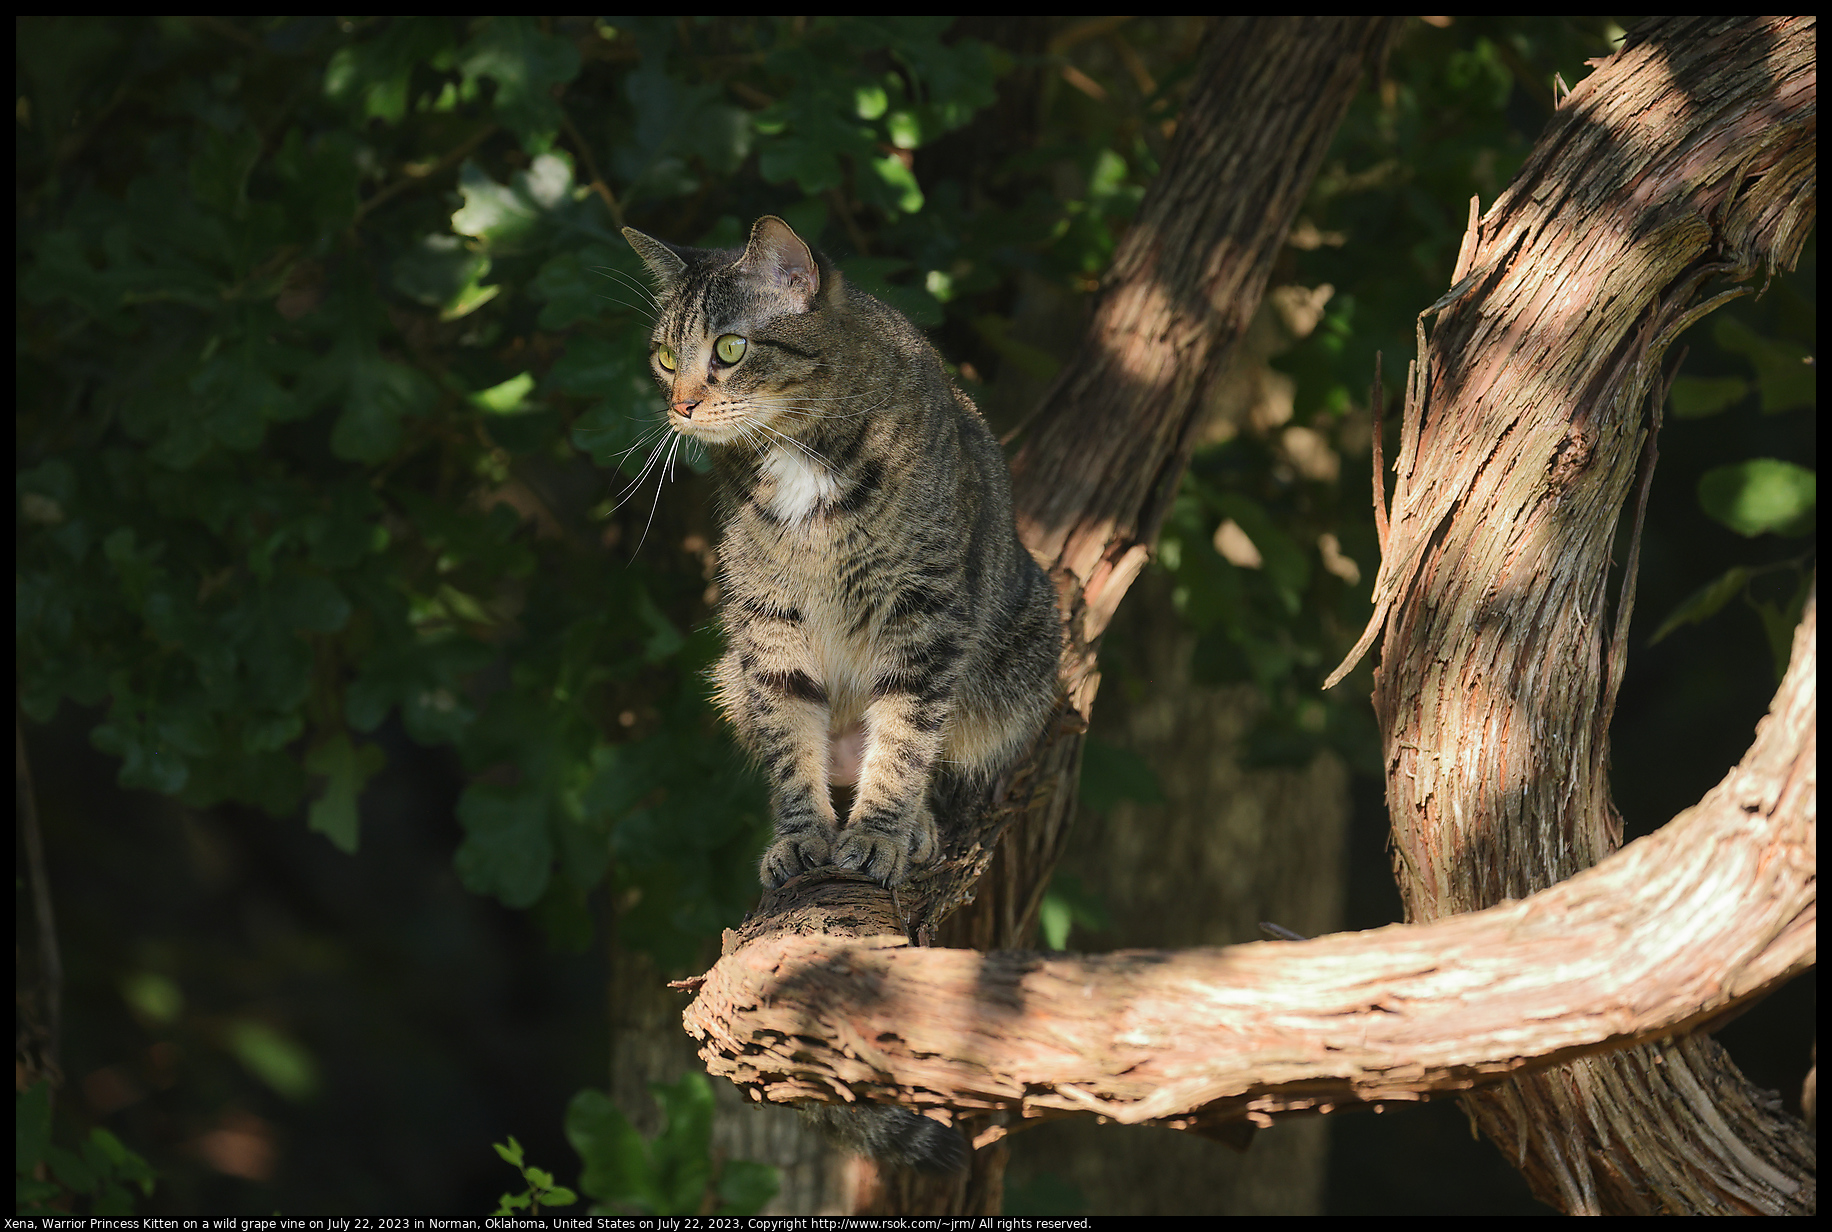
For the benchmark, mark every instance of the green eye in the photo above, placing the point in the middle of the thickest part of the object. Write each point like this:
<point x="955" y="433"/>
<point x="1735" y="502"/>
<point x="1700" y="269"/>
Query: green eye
<point x="666" y="357"/>
<point x="730" y="348"/>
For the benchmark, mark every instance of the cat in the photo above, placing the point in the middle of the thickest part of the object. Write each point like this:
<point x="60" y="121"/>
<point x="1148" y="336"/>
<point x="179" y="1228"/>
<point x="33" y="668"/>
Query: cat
<point x="888" y="639"/>
<point x="885" y="629"/>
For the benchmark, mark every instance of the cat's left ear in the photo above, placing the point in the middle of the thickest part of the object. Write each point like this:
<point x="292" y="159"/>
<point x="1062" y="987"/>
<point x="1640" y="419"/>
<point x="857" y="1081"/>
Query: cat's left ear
<point x="777" y="255"/>
<point x="662" y="259"/>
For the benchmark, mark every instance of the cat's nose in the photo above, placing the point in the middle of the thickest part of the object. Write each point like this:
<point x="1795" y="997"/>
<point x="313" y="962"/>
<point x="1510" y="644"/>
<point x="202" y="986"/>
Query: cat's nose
<point x="685" y="409"/>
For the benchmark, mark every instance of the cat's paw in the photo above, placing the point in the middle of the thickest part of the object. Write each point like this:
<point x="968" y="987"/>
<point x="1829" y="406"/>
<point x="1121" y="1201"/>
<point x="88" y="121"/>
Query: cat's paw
<point x="792" y="854"/>
<point x="888" y="853"/>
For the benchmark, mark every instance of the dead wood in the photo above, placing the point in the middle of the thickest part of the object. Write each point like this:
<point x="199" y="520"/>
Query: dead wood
<point x="1687" y="161"/>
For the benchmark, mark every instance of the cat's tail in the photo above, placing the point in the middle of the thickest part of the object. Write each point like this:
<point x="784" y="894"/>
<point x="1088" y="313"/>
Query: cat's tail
<point x="891" y="1135"/>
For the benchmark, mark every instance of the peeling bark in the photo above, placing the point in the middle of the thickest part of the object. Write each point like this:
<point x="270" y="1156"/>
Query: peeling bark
<point x="1673" y="930"/>
<point x="1685" y="161"/>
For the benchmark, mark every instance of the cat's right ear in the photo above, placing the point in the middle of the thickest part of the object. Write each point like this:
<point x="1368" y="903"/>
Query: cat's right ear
<point x="777" y="255"/>
<point x="663" y="261"/>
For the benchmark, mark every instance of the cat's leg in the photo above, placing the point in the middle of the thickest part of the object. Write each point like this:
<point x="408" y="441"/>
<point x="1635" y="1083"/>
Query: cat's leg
<point x="892" y="828"/>
<point x="781" y="715"/>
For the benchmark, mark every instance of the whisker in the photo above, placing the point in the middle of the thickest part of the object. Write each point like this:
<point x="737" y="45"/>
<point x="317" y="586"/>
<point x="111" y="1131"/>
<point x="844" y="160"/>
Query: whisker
<point x="789" y="440"/>
<point x="659" y="480"/>
<point x="636" y="308"/>
<point x="648" y="465"/>
<point x="640" y="288"/>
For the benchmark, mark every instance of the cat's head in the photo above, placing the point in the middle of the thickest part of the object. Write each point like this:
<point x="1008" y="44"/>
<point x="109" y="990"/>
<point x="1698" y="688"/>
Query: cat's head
<point x="740" y="336"/>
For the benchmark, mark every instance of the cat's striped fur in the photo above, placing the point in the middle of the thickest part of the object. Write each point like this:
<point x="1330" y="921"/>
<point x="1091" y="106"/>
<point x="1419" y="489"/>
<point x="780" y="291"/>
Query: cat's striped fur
<point x="884" y="627"/>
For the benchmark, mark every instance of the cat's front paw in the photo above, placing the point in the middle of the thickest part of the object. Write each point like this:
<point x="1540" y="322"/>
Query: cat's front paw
<point x="887" y="853"/>
<point x="792" y="854"/>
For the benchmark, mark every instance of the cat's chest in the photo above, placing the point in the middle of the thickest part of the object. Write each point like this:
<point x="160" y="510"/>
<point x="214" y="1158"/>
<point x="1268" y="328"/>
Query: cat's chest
<point x="794" y="485"/>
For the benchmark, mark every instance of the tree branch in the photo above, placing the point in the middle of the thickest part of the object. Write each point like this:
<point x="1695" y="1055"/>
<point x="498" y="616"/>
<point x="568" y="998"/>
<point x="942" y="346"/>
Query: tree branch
<point x="1688" y="156"/>
<point x="1673" y="930"/>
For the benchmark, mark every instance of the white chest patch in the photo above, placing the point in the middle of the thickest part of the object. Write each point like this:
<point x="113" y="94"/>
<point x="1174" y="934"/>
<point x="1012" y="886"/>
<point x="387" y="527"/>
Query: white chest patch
<point x="801" y="484"/>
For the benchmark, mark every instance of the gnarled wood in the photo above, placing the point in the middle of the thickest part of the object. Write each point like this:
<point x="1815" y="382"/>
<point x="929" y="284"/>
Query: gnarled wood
<point x="1687" y="157"/>
<point x="1675" y="929"/>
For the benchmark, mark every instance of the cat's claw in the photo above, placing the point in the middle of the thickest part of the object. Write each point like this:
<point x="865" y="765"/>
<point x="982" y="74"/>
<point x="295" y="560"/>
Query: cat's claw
<point x="885" y="858"/>
<point x="795" y="854"/>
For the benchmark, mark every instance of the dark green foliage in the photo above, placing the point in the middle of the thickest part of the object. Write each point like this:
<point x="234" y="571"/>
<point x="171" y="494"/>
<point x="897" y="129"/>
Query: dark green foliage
<point x="541" y="1190"/>
<point x="103" y="1174"/>
<point x="670" y="1174"/>
<point x="324" y="328"/>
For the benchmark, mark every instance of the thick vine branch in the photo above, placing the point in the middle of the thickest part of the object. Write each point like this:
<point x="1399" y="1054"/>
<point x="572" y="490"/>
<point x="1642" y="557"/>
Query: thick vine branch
<point x="1686" y="158"/>
<point x="1677" y="928"/>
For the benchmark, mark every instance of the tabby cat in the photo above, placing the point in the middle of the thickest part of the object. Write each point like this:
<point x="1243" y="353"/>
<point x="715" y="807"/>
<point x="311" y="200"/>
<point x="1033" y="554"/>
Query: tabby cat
<point x="885" y="629"/>
<point x="889" y="641"/>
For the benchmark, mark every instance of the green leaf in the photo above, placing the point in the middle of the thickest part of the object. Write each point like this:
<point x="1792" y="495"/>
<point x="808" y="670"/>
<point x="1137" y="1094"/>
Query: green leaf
<point x="1704" y="602"/>
<point x="898" y="183"/>
<point x="1287" y="566"/>
<point x="148" y="761"/>
<point x="273" y="1058"/>
<point x="321" y="179"/>
<point x="508" y="398"/>
<point x="1066" y="903"/>
<point x="154" y="997"/>
<point x="511" y="1153"/>
<point x="679" y="128"/>
<point x="219" y="169"/>
<point x="508" y="846"/>
<point x="348" y="769"/>
<point x="443" y="272"/>
<point x="1784" y="370"/>
<point x="521" y="215"/>
<point x="589" y="283"/>
<point x="527" y="65"/>
<point x="1761" y="496"/>
<point x="376" y="73"/>
<point x="31" y="1126"/>
<point x="1696" y="397"/>
<point x="1779" y="621"/>
<point x="682" y="1152"/>
<point x="615" y="1157"/>
<point x="746" y="1187"/>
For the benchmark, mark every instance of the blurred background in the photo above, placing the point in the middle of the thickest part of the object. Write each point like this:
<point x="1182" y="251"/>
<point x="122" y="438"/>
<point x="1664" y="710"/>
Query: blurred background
<point x="363" y="602"/>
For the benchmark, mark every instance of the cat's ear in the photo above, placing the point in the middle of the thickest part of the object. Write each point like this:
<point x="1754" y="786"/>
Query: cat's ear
<point x="663" y="261"/>
<point x="777" y="255"/>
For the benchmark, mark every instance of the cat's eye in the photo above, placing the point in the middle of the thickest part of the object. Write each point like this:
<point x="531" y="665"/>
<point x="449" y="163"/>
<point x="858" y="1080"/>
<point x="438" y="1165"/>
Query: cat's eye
<point x="665" y="355"/>
<point x="729" y="348"/>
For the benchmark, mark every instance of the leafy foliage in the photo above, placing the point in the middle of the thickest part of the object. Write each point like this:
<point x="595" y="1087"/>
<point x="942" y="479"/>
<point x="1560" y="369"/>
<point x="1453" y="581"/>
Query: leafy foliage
<point x="304" y="448"/>
<point x="541" y="1190"/>
<point x="102" y="1171"/>
<point x="672" y="1174"/>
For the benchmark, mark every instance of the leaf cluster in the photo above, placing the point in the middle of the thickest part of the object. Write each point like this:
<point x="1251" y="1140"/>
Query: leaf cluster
<point x="102" y="1172"/>
<point x="334" y="410"/>
<point x="674" y="1173"/>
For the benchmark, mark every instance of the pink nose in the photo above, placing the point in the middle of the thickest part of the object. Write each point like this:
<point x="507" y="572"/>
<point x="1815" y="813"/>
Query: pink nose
<point x="685" y="409"/>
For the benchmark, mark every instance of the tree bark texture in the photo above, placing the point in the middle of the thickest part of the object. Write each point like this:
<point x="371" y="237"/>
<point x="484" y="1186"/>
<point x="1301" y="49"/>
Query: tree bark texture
<point x="1686" y="158"/>
<point x="1227" y="846"/>
<point x="1096" y="475"/>
<point x="1670" y="932"/>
